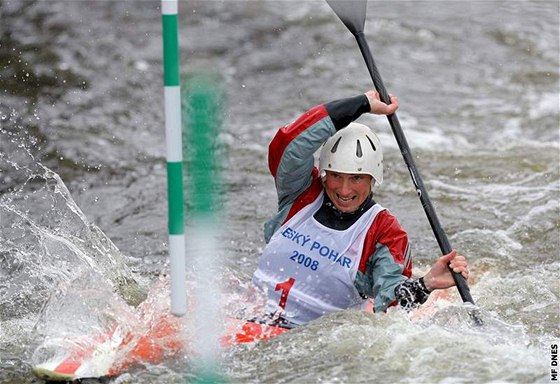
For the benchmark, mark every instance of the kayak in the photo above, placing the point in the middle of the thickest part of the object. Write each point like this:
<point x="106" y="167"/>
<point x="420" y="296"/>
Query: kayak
<point x="113" y="351"/>
<point x="116" y="348"/>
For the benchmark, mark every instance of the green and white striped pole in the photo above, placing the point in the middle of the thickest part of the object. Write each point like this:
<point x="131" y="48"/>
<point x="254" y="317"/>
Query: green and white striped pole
<point x="174" y="156"/>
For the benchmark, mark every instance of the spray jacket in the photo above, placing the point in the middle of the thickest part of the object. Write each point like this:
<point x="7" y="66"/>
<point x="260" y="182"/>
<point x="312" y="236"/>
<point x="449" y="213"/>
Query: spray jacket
<point x="385" y="264"/>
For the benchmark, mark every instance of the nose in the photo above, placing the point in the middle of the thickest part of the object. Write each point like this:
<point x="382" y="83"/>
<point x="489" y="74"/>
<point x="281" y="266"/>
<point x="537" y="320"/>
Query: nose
<point x="346" y="187"/>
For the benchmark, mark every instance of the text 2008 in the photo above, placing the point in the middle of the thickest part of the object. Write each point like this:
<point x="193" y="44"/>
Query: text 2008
<point x="304" y="260"/>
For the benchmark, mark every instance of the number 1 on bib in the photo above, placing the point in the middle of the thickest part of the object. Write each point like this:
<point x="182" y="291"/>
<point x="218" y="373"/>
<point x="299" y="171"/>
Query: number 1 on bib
<point x="285" y="287"/>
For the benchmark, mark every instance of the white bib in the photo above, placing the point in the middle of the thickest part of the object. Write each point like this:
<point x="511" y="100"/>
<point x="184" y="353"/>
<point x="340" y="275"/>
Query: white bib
<point x="308" y="270"/>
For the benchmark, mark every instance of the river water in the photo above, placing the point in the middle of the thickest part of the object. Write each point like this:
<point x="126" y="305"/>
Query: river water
<point x="83" y="220"/>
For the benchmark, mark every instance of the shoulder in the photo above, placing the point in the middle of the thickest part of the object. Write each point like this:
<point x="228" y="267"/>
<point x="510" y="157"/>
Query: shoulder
<point x="386" y="231"/>
<point x="386" y="226"/>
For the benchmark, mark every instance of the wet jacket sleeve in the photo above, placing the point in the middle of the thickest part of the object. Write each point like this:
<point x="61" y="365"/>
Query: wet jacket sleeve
<point x="386" y="261"/>
<point x="345" y="111"/>
<point x="390" y="268"/>
<point x="290" y="154"/>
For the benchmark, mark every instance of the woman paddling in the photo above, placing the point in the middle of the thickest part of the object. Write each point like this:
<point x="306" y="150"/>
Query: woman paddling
<point x="330" y="246"/>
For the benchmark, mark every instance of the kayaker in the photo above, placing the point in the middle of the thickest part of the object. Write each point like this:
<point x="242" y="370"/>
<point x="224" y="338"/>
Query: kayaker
<point x="330" y="246"/>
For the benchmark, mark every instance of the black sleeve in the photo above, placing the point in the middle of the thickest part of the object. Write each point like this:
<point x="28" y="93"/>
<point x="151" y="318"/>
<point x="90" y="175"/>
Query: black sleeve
<point x="345" y="111"/>
<point x="411" y="293"/>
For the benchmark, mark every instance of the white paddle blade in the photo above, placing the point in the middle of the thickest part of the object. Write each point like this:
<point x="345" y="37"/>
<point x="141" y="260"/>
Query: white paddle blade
<point x="351" y="12"/>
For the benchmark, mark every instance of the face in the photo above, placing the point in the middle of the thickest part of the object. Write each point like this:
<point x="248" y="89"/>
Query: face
<point x="347" y="190"/>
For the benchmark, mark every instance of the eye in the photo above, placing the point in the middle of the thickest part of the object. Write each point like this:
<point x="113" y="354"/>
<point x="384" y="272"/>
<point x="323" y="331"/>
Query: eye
<point x="357" y="178"/>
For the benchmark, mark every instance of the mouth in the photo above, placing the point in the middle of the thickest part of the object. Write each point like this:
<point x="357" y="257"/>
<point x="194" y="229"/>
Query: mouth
<point x="345" y="200"/>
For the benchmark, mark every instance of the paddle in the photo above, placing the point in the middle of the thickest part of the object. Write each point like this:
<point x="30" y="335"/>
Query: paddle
<point x="353" y="14"/>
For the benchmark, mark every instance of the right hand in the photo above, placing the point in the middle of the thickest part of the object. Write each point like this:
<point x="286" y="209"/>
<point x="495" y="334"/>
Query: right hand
<point x="439" y="276"/>
<point x="380" y="108"/>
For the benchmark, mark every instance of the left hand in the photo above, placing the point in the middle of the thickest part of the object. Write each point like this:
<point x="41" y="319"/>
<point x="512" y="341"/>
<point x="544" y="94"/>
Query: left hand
<point x="380" y="108"/>
<point x="439" y="276"/>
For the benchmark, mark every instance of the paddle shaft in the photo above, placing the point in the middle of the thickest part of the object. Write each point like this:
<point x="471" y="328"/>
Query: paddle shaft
<point x="439" y="233"/>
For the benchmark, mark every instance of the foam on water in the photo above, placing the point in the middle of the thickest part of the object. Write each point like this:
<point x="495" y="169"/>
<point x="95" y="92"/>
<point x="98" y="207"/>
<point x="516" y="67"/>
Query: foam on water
<point x="390" y="348"/>
<point x="48" y="245"/>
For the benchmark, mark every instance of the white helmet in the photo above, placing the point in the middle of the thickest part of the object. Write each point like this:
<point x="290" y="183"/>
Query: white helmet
<point x="354" y="149"/>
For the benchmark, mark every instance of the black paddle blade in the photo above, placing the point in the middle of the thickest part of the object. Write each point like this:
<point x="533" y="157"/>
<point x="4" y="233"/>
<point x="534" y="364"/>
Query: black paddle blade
<point x="351" y="12"/>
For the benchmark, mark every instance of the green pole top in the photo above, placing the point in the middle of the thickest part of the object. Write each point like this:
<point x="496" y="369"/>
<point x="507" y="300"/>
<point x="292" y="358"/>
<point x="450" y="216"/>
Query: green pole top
<point x="202" y="119"/>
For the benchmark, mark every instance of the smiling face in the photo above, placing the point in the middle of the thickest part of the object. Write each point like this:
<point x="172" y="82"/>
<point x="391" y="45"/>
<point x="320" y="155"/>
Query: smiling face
<point x="347" y="191"/>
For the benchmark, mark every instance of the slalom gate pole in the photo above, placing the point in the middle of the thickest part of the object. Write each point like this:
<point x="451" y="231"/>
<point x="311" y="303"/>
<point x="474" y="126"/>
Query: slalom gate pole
<point x="172" y="94"/>
<point x="203" y="99"/>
